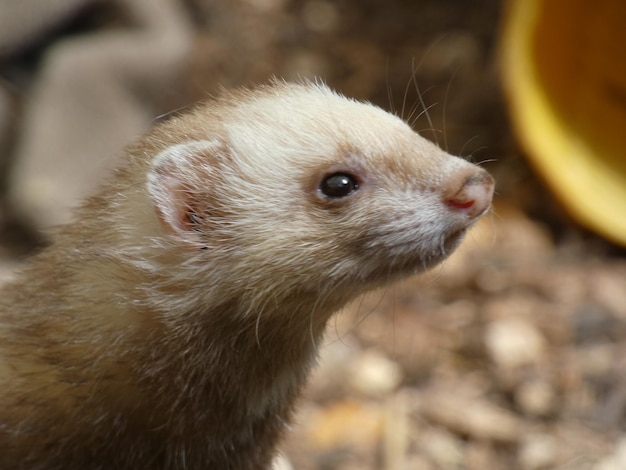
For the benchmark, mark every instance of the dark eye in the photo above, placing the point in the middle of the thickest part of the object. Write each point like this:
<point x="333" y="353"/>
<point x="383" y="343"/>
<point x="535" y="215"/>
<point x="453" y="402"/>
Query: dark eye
<point x="339" y="185"/>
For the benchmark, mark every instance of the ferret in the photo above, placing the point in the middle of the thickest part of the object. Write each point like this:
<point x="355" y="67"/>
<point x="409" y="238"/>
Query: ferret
<point x="173" y="323"/>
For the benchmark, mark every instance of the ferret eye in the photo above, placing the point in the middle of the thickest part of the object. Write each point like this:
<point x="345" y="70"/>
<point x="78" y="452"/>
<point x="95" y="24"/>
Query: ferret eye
<point x="339" y="185"/>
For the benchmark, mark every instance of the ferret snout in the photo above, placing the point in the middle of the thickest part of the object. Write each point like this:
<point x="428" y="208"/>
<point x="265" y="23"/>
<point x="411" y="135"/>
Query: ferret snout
<point x="470" y="193"/>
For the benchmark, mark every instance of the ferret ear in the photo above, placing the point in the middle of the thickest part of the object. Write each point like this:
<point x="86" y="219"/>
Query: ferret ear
<point x="179" y="176"/>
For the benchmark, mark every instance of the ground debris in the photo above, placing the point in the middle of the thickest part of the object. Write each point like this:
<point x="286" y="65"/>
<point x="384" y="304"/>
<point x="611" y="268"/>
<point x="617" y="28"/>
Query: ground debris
<point x="525" y="375"/>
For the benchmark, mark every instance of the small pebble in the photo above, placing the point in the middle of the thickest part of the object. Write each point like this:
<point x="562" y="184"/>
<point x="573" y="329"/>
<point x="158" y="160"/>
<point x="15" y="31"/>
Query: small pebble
<point x="513" y="342"/>
<point x="536" y="397"/>
<point x="479" y="419"/>
<point x="374" y="374"/>
<point x="538" y="451"/>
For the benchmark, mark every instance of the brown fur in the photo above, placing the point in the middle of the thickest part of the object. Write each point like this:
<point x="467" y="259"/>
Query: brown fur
<point x="172" y="324"/>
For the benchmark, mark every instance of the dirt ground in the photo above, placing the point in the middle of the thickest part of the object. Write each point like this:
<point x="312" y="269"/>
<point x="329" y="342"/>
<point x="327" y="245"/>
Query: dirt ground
<point x="508" y="356"/>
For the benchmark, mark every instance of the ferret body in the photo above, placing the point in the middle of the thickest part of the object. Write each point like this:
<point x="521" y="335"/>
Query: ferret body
<point x="173" y="323"/>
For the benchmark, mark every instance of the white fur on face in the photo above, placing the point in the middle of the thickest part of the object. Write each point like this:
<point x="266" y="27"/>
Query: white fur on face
<point x="273" y="222"/>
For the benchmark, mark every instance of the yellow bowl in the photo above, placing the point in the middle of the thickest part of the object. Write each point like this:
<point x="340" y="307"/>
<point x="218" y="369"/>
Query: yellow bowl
<point x="564" y="71"/>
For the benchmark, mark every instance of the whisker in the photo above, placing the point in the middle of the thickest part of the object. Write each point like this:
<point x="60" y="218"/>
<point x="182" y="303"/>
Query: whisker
<point x="421" y="100"/>
<point x="488" y="160"/>
<point x="163" y="116"/>
<point x="467" y="143"/>
<point x="392" y="107"/>
<point x="417" y="106"/>
<point x="445" y="109"/>
<point x="425" y="112"/>
<point x="406" y="89"/>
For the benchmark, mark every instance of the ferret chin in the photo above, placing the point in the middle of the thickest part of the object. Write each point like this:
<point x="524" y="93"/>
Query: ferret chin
<point x="173" y="323"/>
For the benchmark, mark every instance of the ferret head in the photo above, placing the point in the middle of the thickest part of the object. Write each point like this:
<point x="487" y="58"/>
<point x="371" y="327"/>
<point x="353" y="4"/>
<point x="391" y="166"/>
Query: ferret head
<point x="294" y="188"/>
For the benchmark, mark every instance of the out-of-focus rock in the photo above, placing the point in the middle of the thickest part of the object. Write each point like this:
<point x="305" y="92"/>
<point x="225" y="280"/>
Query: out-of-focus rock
<point x="347" y="423"/>
<point x="608" y="287"/>
<point x="615" y="461"/>
<point x="373" y="374"/>
<point x="536" y="397"/>
<point x="443" y="448"/>
<point x="514" y="342"/>
<point x="479" y="419"/>
<point x="538" y="451"/>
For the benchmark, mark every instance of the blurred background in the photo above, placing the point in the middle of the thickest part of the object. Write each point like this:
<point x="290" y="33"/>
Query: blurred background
<point x="508" y="356"/>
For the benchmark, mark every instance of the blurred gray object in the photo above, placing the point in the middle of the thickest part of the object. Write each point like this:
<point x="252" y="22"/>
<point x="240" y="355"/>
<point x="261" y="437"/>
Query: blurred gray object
<point x="93" y="93"/>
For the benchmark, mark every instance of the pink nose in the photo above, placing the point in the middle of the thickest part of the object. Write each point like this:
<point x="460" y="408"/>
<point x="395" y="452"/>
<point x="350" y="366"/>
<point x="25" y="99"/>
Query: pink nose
<point x="474" y="196"/>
